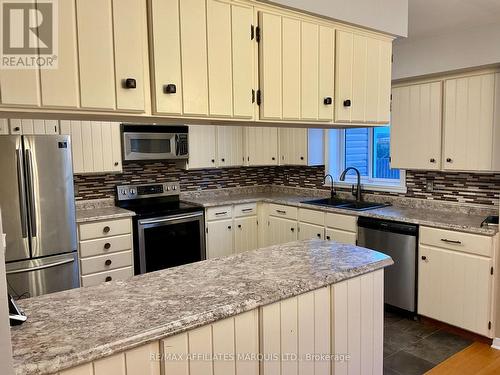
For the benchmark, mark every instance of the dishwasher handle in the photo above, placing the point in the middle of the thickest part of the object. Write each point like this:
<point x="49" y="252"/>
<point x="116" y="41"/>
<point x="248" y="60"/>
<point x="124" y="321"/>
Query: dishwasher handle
<point x="388" y="226"/>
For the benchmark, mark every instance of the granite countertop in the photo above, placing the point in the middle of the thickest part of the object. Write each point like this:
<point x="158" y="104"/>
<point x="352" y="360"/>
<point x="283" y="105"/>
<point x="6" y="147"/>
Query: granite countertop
<point x="77" y="326"/>
<point x="423" y="216"/>
<point x="101" y="213"/>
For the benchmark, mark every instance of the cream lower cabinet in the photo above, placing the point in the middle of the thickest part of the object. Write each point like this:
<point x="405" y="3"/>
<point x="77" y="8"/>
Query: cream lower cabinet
<point x="311" y="224"/>
<point x="96" y="146"/>
<point x="105" y="251"/>
<point x="455" y="279"/>
<point x="261" y="146"/>
<point x="362" y="78"/>
<point x="231" y="229"/>
<point x="281" y="230"/>
<point x="341" y="228"/>
<point x="301" y="146"/>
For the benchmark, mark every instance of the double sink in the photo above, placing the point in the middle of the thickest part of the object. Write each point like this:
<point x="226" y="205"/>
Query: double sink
<point x="346" y="204"/>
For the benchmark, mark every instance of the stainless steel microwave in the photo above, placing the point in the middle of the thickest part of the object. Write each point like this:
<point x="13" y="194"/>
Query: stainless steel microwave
<point x="154" y="142"/>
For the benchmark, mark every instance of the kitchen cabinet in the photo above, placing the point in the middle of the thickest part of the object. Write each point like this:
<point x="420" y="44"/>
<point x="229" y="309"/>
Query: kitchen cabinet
<point x="295" y="68"/>
<point x="454" y="282"/>
<point x="245" y="234"/>
<point x="202" y="147"/>
<point x="311" y="224"/>
<point x="416" y="126"/>
<point x="471" y="136"/>
<point x="4" y="126"/>
<point x="96" y="146"/>
<point x="28" y="126"/>
<point x="261" y="146"/>
<point x="229" y="146"/>
<point x="341" y="228"/>
<point x="280" y="230"/>
<point x="219" y="238"/>
<point x="311" y="231"/>
<point x="301" y="146"/>
<point x="362" y="78"/>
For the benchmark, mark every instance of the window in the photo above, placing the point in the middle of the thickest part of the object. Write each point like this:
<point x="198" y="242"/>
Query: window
<point x="368" y="150"/>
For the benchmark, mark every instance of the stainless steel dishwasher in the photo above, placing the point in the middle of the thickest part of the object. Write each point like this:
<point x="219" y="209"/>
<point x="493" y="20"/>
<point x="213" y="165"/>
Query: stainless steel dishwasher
<point x="399" y="241"/>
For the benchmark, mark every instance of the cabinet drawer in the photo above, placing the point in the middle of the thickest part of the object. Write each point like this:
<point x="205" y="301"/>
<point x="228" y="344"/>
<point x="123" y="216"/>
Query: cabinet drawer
<point x="103" y="246"/>
<point x="343" y="222"/>
<point x="106" y="262"/>
<point x="341" y="236"/>
<point x="283" y="211"/>
<point x="113" y="275"/>
<point x="311" y="216"/>
<point x="465" y="242"/>
<point x="105" y="229"/>
<point x="219" y="213"/>
<point x="242" y="210"/>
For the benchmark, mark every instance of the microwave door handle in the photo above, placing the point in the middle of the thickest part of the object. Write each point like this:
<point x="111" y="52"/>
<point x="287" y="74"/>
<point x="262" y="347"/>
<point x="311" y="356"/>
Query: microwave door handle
<point x="21" y="185"/>
<point x="177" y="145"/>
<point x="31" y="193"/>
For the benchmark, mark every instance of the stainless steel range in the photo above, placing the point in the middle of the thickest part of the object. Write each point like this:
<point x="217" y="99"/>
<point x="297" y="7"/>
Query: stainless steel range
<point x="167" y="231"/>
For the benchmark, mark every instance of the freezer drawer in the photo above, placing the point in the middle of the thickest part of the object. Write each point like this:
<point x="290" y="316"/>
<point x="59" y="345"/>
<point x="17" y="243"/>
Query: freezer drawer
<point x="35" y="277"/>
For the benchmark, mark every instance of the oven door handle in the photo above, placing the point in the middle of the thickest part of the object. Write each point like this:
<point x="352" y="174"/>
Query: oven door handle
<point x="170" y="218"/>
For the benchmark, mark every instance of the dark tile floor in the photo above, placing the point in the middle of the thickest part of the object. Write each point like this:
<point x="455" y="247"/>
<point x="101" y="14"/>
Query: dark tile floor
<point x="412" y="348"/>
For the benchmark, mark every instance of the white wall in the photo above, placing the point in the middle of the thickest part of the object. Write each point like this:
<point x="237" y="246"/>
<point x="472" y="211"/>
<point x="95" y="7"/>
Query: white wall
<point x="390" y="16"/>
<point x="455" y="50"/>
<point x="5" y="345"/>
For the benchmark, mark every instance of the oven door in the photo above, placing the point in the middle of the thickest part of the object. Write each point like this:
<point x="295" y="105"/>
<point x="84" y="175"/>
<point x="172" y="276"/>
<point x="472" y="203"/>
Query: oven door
<point x="149" y="146"/>
<point x="170" y="241"/>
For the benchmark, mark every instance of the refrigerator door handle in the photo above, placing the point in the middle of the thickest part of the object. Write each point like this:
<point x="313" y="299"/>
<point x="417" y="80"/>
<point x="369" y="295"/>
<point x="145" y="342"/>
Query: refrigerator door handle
<point x="31" y="195"/>
<point x="22" y="193"/>
<point x="50" y="265"/>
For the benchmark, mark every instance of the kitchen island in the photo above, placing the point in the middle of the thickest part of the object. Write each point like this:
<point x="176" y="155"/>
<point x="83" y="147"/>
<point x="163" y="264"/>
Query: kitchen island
<point x="292" y="305"/>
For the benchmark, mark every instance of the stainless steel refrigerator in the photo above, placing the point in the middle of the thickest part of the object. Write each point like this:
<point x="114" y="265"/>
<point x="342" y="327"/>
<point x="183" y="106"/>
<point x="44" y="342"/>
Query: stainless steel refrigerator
<point x="38" y="214"/>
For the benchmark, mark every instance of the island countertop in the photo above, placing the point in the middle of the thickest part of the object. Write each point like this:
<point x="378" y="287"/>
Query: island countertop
<point x="77" y="326"/>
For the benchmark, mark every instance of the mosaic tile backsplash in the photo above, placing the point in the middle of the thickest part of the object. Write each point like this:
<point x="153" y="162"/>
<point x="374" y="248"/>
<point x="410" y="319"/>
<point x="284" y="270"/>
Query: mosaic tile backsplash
<point x="467" y="188"/>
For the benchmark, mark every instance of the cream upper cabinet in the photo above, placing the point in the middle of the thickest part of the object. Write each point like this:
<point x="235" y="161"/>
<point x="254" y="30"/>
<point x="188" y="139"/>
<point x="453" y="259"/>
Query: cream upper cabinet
<point x="202" y="146"/>
<point x="296" y="69"/>
<point x="96" y="146"/>
<point x="261" y="146"/>
<point x="230" y="146"/>
<point x="471" y="135"/>
<point x="301" y="146"/>
<point x="416" y="126"/>
<point x="362" y="78"/>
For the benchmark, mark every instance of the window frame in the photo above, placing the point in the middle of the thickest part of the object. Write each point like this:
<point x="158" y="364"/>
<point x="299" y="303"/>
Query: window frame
<point x="367" y="183"/>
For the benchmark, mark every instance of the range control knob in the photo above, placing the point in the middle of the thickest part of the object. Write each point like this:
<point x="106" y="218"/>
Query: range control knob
<point x="168" y="188"/>
<point x="174" y="187"/>
<point x="133" y="191"/>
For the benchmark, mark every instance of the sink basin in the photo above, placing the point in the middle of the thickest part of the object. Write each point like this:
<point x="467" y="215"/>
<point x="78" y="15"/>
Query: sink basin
<point x="346" y="204"/>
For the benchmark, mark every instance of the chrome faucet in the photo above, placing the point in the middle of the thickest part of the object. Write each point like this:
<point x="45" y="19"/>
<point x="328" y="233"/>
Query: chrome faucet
<point x="358" y="189"/>
<point x="332" y="189"/>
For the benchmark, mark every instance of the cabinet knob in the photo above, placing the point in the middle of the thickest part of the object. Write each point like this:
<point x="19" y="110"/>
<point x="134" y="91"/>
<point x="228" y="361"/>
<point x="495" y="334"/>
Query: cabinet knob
<point x="108" y="278"/>
<point x="107" y="246"/>
<point x="17" y="128"/>
<point x="347" y="103"/>
<point x="229" y="227"/>
<point x="116" y="164"/>
<point x="328" y="100"/>
<point x="130" y="83"/>
<point x="213" y="160"/>
<point x="223" y="160"/>
<point x="107" y="262"/>
<point x="239" y="225"/>
<point x="170" y="89"/>
<point x="106" y="229"/>
<point x="424" y="257"/>
<point x="301" y="158"/>
<point x="292" y="229"/>
<point x="433" y="160"/>
<point x="328" y="238"/>
<point x="273" y="158"/>
<point x="448" y="160"/>
<point x="319" y="235"/>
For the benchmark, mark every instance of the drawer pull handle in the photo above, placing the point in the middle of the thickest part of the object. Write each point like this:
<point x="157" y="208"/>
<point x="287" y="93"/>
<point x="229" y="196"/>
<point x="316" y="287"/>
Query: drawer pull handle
<point x="247" y="210"/>
<point x="108" y="278"/>
<point x="107" y="246"/>
<point x="106" y="229"/>
<point x="221" y="213"/>
<point x="281" y="212"/>
<point x="451" y="241"/>
<point x="107" y="262"/>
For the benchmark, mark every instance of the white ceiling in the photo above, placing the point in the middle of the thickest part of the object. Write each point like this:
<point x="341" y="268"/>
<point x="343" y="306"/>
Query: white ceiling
<point x="431" y="17"/>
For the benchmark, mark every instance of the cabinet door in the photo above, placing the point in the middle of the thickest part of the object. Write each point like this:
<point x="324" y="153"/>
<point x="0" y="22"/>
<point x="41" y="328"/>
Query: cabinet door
<point x="455" y="288"/>
<point x="95" y="51"/>
<point x="261" y="146"/>
<point x="129" y="32"/>
<point x="60" y="86"/>
<point x="245" y="234"/>
<point x="229" y="146"/>
<point x="343" y="75"/>
<point x="270" y="66"/>
<point x="202" y="140"/>
<point x="309" y="71"/>
<point x="20" y="87"/>
<point x="340" y="236"/>
<point x="468" y="123"/>
<point x="166" y="51"/>
<point x="293" y="146"/>
<point x="219" y="238"/>
<point x="291" y="68"/>
<point x="326" y="72"/>
<point x="281" y="230"/>
<point x="416" y="126"/>
<point x="194" y="57"/>
<point x="310" y="231"/>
